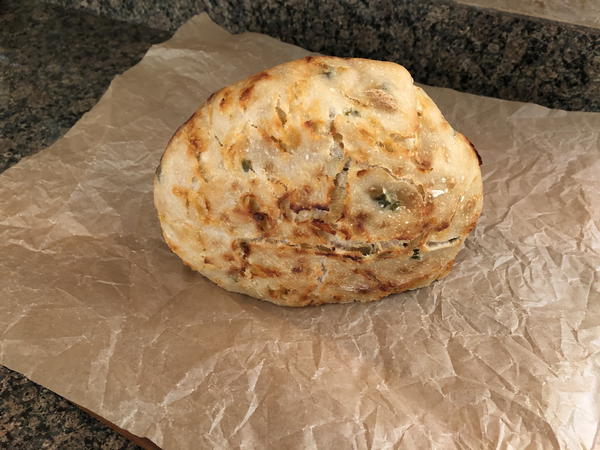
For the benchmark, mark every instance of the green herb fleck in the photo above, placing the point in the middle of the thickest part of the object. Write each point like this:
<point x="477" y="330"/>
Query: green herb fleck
<point x="383" y="200"/>
<point x="416" y="254"/>
<point x="351" y="112"/>
<point x="246" y="165"/>
<point x="328" y="71"/>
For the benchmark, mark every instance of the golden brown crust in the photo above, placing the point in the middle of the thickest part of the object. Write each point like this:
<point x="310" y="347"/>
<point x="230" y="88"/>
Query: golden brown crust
<point x="322" y="180"/>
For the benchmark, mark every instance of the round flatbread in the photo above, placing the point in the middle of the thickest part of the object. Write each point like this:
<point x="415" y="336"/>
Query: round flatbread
<point x="321" y="180"/>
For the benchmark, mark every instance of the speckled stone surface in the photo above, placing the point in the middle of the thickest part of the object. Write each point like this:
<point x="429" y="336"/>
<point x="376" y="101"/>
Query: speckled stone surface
<point x="442" y="43"/>
<point x="32" y="417"/>
<point x="54" y="66"/>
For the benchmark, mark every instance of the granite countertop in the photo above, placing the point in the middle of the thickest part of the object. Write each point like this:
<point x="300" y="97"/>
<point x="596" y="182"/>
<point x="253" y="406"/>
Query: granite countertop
<point x="57" y="59"/>
<point x="54" y="65"/>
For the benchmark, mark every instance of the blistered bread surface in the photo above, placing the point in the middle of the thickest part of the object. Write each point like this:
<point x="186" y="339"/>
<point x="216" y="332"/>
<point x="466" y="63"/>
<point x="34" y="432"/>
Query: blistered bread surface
<point x="322" y="180"/>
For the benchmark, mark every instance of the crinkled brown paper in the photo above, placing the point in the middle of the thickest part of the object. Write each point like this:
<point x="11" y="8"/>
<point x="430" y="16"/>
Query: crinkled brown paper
<point x="503" y="353"/>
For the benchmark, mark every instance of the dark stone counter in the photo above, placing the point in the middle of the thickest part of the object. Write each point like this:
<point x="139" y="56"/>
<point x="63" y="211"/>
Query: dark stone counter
<point x="54" y="66"/>
<point x="32" y="417"/>
<point x="440" y="42"/>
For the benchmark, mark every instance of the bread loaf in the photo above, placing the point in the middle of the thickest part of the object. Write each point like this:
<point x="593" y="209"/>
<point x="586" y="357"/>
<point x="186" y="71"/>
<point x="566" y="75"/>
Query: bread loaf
<point x="321" y="180"/>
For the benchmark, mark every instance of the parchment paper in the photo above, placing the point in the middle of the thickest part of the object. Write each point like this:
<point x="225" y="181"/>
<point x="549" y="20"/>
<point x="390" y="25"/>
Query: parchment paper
<point x="503" y="353"/>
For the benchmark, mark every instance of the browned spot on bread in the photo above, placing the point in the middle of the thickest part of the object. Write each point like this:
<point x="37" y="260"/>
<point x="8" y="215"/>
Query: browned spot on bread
<point x="360" y="220"/>
<point x="470" y="204"/>
<point x="258" y="270"/>
<point x="308" y="59"/>
<point x="427" y="207"/>
<point x="279" y="293"/>
<point x="386" y="286"/>
<point x="423" y="159"/>
<point x="246" y="93"/>
<point x="299" y="233"/>
<point x="260" y="76"/>
<point x="442" y="226"/>
<point x="388" y="146"/>
<point x="397" y="137"/>
<point x="398" y="171"/>
<point x="228" y="257"/>
<point x="345" y="232"/>
<point x="269" y="166"/>
<point x="310" y="125"/>
<point x="291" y="137"/>
<point x="297" y="269"/>
<point x="199" y="207"/>
<point x="279" y="144"/>
<point x="479" y="160"/>
<point x="236" y="271"/>
<point x="283" y="201"/>
<point x="356" y="101"/>
<point x="382" y="100"/>
<point x="368" y="274"/>
<point x="362" y="172"/>
<point x="385" y="254"/>
<point x="470" y="227"/>
<point x="207" y="260"/>
<point x="304" y="299"/>
<point x="296" y="207"/>
<point x="322" y="226"/>
<point x="337" y="137"/>
<point x="211" y="96"/>
<point x="196" y="144"/>
<point x="180" y="192"/>
<point x="245" y="249"/>
<point x="281" y="115"/>
<point x="261" y="219"/>
<point x="231" y="153"/>
<point x="378" y="284"/>
<point x="225" y="101"/>
<point x="366" y="134"/>
<point x="424" y="166"/>
<point x="470" y="144"/>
